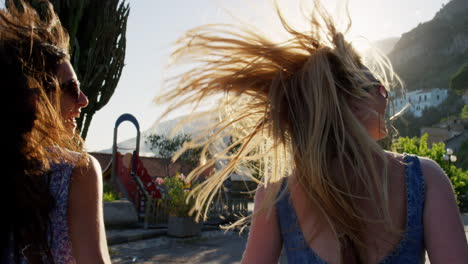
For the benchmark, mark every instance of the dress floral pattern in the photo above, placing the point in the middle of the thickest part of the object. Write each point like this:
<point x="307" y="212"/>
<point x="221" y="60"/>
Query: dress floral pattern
<point x="58" y="236"/>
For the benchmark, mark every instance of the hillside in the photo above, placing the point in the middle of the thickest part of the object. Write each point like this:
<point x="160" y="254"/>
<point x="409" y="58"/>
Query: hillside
<point x="386" y="45"/>
<point x="428" y="55"/>
<point x="162" y="128"/>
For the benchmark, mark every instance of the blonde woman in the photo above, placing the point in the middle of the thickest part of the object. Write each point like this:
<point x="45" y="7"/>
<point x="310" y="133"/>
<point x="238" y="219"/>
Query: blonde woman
<point x="308" y="113"/>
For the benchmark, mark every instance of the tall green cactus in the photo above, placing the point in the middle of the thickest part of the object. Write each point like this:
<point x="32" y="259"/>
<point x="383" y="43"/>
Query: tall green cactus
<point x="97" y="31"/>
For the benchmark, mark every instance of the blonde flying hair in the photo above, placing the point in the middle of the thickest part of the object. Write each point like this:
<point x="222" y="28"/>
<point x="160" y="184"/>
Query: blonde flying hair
<point x="286" y="108"/>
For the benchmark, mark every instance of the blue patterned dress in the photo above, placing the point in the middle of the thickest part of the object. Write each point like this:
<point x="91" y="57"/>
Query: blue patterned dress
<point x="58" y="236"/>
<point x="410" y="249"/>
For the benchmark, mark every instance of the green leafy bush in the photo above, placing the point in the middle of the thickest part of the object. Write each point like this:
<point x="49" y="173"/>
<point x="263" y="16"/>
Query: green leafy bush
<point x="175" y="191"/>
<point x="109" y="197"/>
<point x="458" y="176"/>
<point x="109" y="193"/>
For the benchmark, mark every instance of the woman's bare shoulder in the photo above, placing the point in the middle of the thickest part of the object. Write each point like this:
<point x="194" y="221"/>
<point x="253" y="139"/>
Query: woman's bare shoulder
<point x="88" y="167"/>
<point x="433" y="173"/>
<point x="430" y="169"/>
<point x="443" y="229"/>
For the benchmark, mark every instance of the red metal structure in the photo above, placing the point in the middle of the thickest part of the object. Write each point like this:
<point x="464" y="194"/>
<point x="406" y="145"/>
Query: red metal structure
<point x="133" y="181"/>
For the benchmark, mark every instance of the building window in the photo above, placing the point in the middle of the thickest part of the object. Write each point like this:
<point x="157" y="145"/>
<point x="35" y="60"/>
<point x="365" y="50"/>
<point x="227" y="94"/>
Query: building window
<point x="419" y="98"/>
<point x="425" y="98"/>
<point x="438" y="97"/>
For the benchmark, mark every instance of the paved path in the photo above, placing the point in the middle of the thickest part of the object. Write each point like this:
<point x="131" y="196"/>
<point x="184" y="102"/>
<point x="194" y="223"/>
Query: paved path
<point x="213" y="247"/>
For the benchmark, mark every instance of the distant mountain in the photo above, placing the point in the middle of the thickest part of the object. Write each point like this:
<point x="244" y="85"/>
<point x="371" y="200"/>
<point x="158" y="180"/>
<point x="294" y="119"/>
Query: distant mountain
<point x="386" y="45"/>
<point x="163" y="128"/>
<point x="427" y="56"/>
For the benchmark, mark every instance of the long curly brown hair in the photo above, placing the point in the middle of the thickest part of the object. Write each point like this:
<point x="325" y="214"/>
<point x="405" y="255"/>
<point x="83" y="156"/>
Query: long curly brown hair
<point x="31" y="48"/>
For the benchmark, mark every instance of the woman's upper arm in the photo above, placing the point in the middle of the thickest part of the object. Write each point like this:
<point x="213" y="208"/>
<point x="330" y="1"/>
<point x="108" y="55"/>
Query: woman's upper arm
<point x="264" y="242"/>
<point x="85" y="215"/>
<point x="443" y="229"/>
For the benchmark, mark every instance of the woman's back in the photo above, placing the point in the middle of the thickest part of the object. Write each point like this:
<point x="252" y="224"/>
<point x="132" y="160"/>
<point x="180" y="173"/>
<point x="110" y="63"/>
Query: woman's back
<point x="319" y="241"/>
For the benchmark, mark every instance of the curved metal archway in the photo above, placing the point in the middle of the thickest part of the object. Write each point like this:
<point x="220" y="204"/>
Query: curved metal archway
<point x="114" y="178"/>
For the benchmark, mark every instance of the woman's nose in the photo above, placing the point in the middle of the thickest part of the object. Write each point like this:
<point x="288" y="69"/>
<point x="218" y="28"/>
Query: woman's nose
<point x="82" y="100"/>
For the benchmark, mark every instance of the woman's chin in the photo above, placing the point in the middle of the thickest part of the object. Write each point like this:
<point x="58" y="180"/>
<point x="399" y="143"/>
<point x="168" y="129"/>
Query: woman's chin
<point x="378" y="135"/>
<point x="382" y="134"/>
<point x="70" y="128"/>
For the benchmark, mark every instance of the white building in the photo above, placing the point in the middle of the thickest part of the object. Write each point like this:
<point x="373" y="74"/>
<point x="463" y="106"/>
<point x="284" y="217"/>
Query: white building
<point x="417" y="101"/>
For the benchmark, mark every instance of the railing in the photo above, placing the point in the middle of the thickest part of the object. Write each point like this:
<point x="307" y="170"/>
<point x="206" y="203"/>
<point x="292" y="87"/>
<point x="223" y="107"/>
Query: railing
<point x="156" y="212"/>
<point x="226" y="207"/>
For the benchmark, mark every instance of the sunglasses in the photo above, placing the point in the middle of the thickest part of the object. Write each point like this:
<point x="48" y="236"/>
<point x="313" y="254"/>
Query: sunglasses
<point x="382" y="91"/>
<point x="72" y="88"/>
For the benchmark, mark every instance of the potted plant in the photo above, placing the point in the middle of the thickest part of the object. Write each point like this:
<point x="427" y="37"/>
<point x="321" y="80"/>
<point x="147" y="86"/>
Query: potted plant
<point x="175" y="191"/>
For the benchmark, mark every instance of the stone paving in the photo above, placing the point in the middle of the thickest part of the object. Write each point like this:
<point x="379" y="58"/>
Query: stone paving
<point x="212" y="247"/>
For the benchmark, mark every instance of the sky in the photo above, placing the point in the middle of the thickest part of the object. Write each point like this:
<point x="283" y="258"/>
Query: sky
<point x="154" y="25"/>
